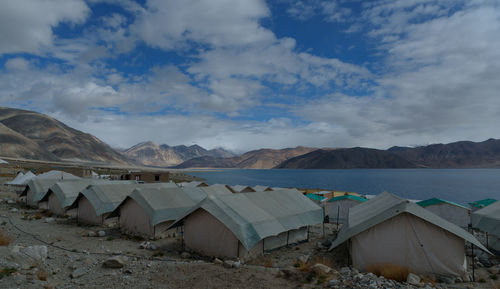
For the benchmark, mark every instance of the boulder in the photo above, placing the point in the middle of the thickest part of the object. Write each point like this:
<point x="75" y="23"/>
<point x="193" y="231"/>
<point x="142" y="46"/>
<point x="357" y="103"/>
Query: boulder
<point x="49" y="220"/>
<point x="115" y="262"/>
<point x="79" y="272"/>
<point x="218" y="261"/>
<point x="345" y="271"/>
<point x="185" y="255"/>
<point x="303" y="259"/>
<point x="37" y="252"/>
<point x="321" y="269"/>
<point x="413" y="279"/>
<point x="228" y="264"/>
<point x="101" y="233"/>
<point x="91" y="234"/>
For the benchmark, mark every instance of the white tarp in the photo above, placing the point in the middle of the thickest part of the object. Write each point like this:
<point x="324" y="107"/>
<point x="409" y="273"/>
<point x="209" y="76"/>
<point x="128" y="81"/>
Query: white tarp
<point x="487" y="220"/>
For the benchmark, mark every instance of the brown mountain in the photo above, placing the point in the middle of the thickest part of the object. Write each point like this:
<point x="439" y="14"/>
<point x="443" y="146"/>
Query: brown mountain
<point x="462" y="154"/>
<point x="152" y="154"/>
<point x="257" y="159"/>
<point x="351" y="158"/>
<point x="32" y="135"/>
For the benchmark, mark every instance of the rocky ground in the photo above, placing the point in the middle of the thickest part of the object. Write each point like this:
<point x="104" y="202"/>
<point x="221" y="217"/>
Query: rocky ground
<point x="40" y="251"/>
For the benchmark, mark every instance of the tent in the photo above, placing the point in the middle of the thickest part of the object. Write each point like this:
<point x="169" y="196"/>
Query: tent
<point x="57" y="175"/>
<point x="193" y="184"/>
<point x="259" y="188"/>
<point x="391" y="230"/>
<point x="62" y="194"/>
<point x="21" y="179"/>
<point x="246" y="225"/>
<point x="97" y="201"/>
<point x="37" y="188"/>
<point x="216" y="189"/>
<point x="481" y="204"/>
<point x="3" y="162"/>
<point x="316" y="198"/>
<point x="148" y="212"/>
<point x="338" y="207"/>
<point x="450" y="211"/>
<point x="487" y="220"/>
<point x="241" y="189"/>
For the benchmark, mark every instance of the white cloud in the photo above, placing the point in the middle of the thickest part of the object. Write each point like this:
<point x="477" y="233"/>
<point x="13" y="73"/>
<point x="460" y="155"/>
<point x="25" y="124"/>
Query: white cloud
<point x="26" y="25"/>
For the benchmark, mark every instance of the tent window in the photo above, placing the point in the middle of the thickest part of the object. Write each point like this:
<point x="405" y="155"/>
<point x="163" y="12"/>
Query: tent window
<point x="157" y="178"/>
<point x="138" y="177"/>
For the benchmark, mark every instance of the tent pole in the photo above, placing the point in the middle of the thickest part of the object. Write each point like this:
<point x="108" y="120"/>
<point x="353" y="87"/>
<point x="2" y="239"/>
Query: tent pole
<point x="338" y="216"/>
<point x="473" y="271"/>
<point x="323" y="221"/>
<point x="487" y="247"/>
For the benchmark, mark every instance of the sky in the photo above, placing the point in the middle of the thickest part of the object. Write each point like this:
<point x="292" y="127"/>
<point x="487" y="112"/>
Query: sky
<point x="249" y="74"/>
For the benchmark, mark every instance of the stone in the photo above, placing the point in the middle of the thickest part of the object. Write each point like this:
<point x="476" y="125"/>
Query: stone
<point x="91" y="234"/>
<point x="37" y="252"/>
<point x="49" y="220"/>
<point x="447" y="279"/>
<point x="413" y="279"/>
<point x="11" y="202"/>
<point x="218" y="261"/>
<point x="494" y="269"/>
<point x="303" y="259"/>
<point x="152" y="247"/>
<point x="128" y="272"/>
<point x="327" y="243"/>
<point x="237" y="264"/>
<point x="228" y="264"/>
<point x="115" y="262"/>
<point x="319" y="268"/>
<point x="345" y="270"/>
<point x="101" y="233"/>
<point x="77" y="273"/>
<point x="333" y="282"/>
<point x="14" y="210"/>
<point x="144" y="245"/>
<point x="185" y="255"/>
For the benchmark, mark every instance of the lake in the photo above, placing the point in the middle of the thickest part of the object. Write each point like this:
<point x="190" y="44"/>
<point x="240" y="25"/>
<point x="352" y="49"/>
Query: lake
<point x="457" y="185"/>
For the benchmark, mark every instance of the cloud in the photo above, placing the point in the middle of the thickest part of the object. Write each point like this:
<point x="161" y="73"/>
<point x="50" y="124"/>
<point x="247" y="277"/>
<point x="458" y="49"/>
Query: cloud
<point x="26" y="25"/>
<point x="330" y="10"/>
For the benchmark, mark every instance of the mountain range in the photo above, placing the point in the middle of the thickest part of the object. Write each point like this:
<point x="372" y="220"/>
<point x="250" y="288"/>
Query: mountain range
<point x="32" y="135"/>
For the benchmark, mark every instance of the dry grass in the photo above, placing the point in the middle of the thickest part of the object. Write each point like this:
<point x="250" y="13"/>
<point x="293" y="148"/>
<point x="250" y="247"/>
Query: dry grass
<point x="323" y="260"/>
<point x="37" y="216"/>
<point x="390" y="271"/>
<point x="42" y="275"/>
<point x="268" y="262"/>
<point x="4" y="238"/>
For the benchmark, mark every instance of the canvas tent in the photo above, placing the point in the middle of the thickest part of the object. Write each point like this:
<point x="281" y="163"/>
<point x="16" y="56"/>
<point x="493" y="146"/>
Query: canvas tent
<point x="488" y="220"/>
<point x="337" y="208"/>
<point x="37" y="188"/>
<point x="241" y="189"/>
<point x="450" y="211"/>
<point x="21" y="179"/>
<point x="3" y="162"/>
<point x="477" y="205"/>
<point x="391" y="230"/>
<point x="316" y="198"/>
<point x="97" y="201"/>
<point x="193" y="184"/>
<point x="60" y="175"/>
<point x="260" y="188"/>
<point x="148" y="212"/>
<point x="216" y="189"/>
<point x="246" y="225"/>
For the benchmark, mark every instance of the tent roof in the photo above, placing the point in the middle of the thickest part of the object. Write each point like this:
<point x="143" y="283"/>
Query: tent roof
<point x="348" y="197"/>
<point x="487" y="219"/>
<point x="216" y="189"/>
<point x="67" y="191"/>
<point x="482" y="203"/>
<point x="164" y="204"/>
<point x="315" y="197"/>
<point x="260" y="188"/>
<point x="253" y="217"/>
<point x="240" y="188"/>
<point x="40" y="187"/>
<point x="386" y="206"/>
<point x="437" y="201"/>
<point x="106" y="197"/>
<point x="57" y="175"/>
<point x="3" y="162"/>
<point x="22" y="179"/>
<point x="193" y="184"/>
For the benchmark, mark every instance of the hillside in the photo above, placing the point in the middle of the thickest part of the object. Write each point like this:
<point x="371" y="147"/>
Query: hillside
<point x="462" y="154"/>
<point x="351" y="158"/>
<point x="32" y="135"/>
<point x="257" y="159"/>
<point x="152" y="154"/>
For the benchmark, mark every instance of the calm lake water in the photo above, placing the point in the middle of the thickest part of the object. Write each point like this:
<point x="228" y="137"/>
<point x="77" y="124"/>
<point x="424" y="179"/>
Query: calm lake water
<point x="457" y="185"/>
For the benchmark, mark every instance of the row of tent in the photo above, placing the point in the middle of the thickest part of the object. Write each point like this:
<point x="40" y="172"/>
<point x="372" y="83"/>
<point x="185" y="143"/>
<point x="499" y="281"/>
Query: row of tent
<point x="215" y="220"/>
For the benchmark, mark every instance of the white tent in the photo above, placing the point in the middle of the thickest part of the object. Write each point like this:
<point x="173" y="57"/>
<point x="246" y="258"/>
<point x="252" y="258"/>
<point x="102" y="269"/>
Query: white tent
<point x="22" y="179"/>
<point x="241" y="189"/>
<point x="260" y="188"/>
<point x="37" y="188"/>
<point x="450" y="211"/>
<point x="3" y="162"/>
<point x="391" y="230"/>
<point x="193" y="184"/>
<point x="57" y="175"/>
<point x="17" y="180"/>
<point x="340" y="206"/>
<point x="97" y="201"/>
<point x="148" y="212"/>
<point x="487" y="220"/>
<point x="245" y="225"/>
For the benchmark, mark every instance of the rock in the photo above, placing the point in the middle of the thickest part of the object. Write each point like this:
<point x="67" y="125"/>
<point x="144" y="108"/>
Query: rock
<point x="91" y="234"/>
<point x="228" y="264"/>
<point x="14" y="210"/>
<point x="446" y="279"/>
<point x="152" y="247"/>
<point x="303" y="259"/>
<point x="101" y="233"/>
<point x="237" y="264"/>
<point x="185" y="255"/>
<point x="37" y="252"/>
<point x="218" y="261"/>
<point x="77" y="273"/>
<point x="321" y="269"/>
<point x="49" y="220"/>
<point x="413" y="279"/>
<point x="327" y="243"/>
<point x="11" y="201"/>
<point x="128" y="272"/>
<point x="333" y="282"/>
<point x="494" y="269"/>
<point x="144" y="245"/>
<point x="115" y="262"/>
<point x="345" y="270"/>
